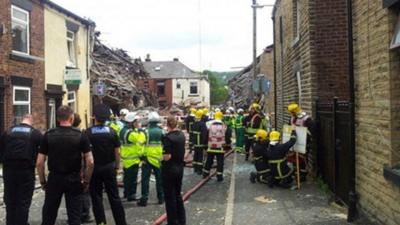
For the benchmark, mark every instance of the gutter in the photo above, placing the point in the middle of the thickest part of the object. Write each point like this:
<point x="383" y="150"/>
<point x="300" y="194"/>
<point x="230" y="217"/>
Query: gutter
<point x="68" y="13"/>
<point x="352" y="210"/>
<point x="275" y="91"/>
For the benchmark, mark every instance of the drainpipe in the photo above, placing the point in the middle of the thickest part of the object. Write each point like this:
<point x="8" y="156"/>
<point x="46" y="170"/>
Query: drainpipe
<point x="275" y="94"/>
<point x="352" y="210"/>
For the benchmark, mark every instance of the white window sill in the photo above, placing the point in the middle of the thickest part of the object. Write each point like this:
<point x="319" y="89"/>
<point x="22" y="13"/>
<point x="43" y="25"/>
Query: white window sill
<point x="24" y="57"/>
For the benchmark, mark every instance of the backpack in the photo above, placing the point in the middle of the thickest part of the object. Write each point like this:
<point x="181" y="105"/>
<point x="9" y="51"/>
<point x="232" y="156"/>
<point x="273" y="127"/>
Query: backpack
<point x="18" y="145"/>
<point x="216" y="135"/>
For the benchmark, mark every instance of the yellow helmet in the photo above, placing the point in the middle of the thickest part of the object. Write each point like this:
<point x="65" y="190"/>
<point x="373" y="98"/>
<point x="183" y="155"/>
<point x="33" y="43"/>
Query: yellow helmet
<point x="205" y="111"/>
<point x="274" y="136"/>
<point x="256" y="107"/>
<point x="193" y="111"/>
<point x="261" y="135"/>
<point x="294" y="108"/>
<point x="199" y="114"/>
<point x="218" y="115"/>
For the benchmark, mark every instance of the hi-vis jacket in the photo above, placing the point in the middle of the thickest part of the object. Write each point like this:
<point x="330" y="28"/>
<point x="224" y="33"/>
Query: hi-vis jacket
<point x="153" y="147"/>
<point x="253" y="123"/>
<point x="133" y="142"/>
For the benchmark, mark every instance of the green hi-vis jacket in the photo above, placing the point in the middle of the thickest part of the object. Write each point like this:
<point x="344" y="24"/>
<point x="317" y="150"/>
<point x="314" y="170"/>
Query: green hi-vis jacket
<point x="153" y="148"/>
<point x="133" y="142"/>
<point x="238" y="122"/>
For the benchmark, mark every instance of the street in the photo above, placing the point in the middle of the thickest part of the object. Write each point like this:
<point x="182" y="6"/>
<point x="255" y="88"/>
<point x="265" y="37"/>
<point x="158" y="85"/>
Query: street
<point x="235" y="201"/>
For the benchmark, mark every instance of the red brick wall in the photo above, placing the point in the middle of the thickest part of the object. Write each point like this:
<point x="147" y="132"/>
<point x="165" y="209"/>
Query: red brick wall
<point x="330" y="58"/>
<point x="153" y="89"/>
<point x="35" y="70"/>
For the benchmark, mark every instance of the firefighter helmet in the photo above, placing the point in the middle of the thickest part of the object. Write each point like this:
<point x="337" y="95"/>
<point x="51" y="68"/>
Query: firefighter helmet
<point x="256" y="107"/>
<point x="274" y="136"/>
<point x="193" y="111"/>
<point x="294" y="108"/>
<point x="261" y="135"/>
<point x="199" y="114"/>
<point x="219" y="116"/>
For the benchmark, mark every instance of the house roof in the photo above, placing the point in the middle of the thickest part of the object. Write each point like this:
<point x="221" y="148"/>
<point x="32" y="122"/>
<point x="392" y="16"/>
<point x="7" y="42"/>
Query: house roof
<point x="169" y="70"/>
<point x="68" y="13"/>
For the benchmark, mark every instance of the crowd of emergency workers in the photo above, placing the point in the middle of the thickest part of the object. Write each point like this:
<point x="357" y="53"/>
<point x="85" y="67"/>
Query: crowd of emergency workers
<point x="80" y="165"/>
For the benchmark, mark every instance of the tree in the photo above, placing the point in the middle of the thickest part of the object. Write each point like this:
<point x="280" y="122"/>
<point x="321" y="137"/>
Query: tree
<point x="218" y="91"/>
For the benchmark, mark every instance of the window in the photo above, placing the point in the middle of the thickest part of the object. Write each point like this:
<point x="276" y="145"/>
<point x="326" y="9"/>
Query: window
<point x="20" y="30"/>
<point x="296" y="21"/>
<point x="160" y="88"/>
<point x="21" y="102"/>
<point x="396" y="36"/>
<point x="71" y="61"/>
<point x="146" y="84"/>
<point x="178" y="85"/>
<point x="193" y="88"/>
<point x="72" y="100"/>
<point x="52" y="113"/>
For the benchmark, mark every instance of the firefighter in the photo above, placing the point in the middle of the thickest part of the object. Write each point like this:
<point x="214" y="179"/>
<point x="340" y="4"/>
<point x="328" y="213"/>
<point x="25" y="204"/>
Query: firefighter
<point x="152" y="160"/>
<point x="219" y="136"/>
<point x="18" y="150"/>
<point x="301" y="119"/>
<point x="133" y="141"/>
<point x="260" y="147"/>
<point x="189" y="121"/>
<point x="106" y="153"/>
<point x="239" y="131"/>
<point x="252" y="123"/>
<point x="276" y="154"/>
<point x="199" y="142"/>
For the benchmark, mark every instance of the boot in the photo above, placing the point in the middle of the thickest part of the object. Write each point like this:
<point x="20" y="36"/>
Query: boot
<point x="142" y="203"/>
<point x="253" y="176"/>
<point x="220" y="178"/>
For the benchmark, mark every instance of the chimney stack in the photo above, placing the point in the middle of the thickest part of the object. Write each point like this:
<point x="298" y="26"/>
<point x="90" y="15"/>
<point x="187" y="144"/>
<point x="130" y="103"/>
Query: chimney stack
<point x="176" y="60"/>
<point x="148" y="59"/>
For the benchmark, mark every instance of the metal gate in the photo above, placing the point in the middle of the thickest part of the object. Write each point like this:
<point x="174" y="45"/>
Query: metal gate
<point x="334" y="142"/>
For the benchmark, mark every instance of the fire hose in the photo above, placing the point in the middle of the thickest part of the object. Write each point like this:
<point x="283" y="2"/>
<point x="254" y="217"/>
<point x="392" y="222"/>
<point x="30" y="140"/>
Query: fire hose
<point x="190" y="192"/>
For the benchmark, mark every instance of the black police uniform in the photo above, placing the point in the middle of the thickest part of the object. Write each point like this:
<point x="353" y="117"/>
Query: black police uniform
<point x="172" y="174"/>
<point x="104" y="140"/>
<point x="64" y="147"/>
<point x="18" y="150"/>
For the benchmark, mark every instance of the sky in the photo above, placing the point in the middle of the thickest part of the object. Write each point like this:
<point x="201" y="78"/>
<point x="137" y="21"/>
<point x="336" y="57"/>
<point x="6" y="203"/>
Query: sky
<point x="204" y="34"/>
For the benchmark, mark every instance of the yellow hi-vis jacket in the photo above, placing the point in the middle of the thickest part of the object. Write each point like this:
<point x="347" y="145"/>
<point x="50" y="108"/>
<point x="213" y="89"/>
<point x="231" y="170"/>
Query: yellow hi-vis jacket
<point x="153" y="148"/>
<point x="133" y="141"/>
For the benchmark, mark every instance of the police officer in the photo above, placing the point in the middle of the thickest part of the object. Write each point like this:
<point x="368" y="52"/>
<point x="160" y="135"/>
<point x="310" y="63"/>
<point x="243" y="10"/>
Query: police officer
<point x="276" y="154"/>
<point x="219" y="135"/>
<point x="152" y="159"/>
<point x="133" y="140"/>
<point x="18" y="150"/>
<point x="105" y="147"/>
<point x="239" y="130"/>
<point x="199" y="141"/>
<point x="301" y="119"/>
<point x="189" y="121"/>
<point x="260" y="147"/>
<point x="172" y="172"/>
<point x="252" y="123"/>
<point x="64" y="147"/>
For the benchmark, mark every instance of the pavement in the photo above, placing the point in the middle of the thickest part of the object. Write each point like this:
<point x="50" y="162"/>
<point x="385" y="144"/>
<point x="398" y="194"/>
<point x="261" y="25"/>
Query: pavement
<point x="235" y="201"/>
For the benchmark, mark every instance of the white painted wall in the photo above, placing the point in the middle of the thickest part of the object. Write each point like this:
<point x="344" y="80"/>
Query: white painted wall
<point x="203" y="90"/>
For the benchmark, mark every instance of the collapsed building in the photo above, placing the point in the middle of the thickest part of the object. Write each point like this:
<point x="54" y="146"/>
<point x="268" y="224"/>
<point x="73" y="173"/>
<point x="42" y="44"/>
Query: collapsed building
<point x="114" y="76"/>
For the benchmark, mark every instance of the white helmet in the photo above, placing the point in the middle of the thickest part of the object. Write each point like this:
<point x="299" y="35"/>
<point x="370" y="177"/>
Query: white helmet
<point x="154" y="117"/>
<point x="123" y="112"/>
<point x="131" y="116"/>
<point x="231" y="109"/>
<point x="240" y="110"/>
<point x="217" y="110"/>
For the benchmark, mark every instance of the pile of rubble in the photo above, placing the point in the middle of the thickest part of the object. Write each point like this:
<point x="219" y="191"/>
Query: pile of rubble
<point x="240" y="87"/>
<point x="119" y="72"/>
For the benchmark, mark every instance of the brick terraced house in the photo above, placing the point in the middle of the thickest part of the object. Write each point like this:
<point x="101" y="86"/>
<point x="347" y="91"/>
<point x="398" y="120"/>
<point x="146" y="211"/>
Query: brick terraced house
<point x="21" y="62"/>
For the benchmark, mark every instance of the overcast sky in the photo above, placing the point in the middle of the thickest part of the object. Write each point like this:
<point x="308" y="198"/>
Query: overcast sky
<point x="170" y="28"/>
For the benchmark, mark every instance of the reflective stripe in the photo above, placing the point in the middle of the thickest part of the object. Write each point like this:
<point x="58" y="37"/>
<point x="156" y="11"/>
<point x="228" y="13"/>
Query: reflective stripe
<point x="264" y="171"/>
<point x="129" y="157"/>
<point x="257" y="158"/>
<point x="276" y="161"/>
<point x="216" y="150"/>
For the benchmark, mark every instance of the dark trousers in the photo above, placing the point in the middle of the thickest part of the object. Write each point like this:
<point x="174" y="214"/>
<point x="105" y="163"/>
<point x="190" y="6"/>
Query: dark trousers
<point x="172" y="184"/>
<point x="248" y="143"/>
<point x="210" y="160"/>
<point x="106" y="176"/>
<point x="85" y="206"/>
<point x="57" y="186"/>
<point x="130" y="181"/>
<point x="18" y="191"/>
<point x="198" y="158"/>
<point x="146" y="173"/>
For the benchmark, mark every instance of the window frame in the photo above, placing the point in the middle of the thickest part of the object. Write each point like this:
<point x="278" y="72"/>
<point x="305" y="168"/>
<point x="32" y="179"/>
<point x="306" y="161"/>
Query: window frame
<point x="296" y="26"/>
<point x="396" y="32"/>
<point x="72" y="101"/>
<point x="160" y="83"/>
<point x="72" y="40"/>
<point x="22" y="103"/>
<point x="27" y="22"/>
<point x="190" y="87"/>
